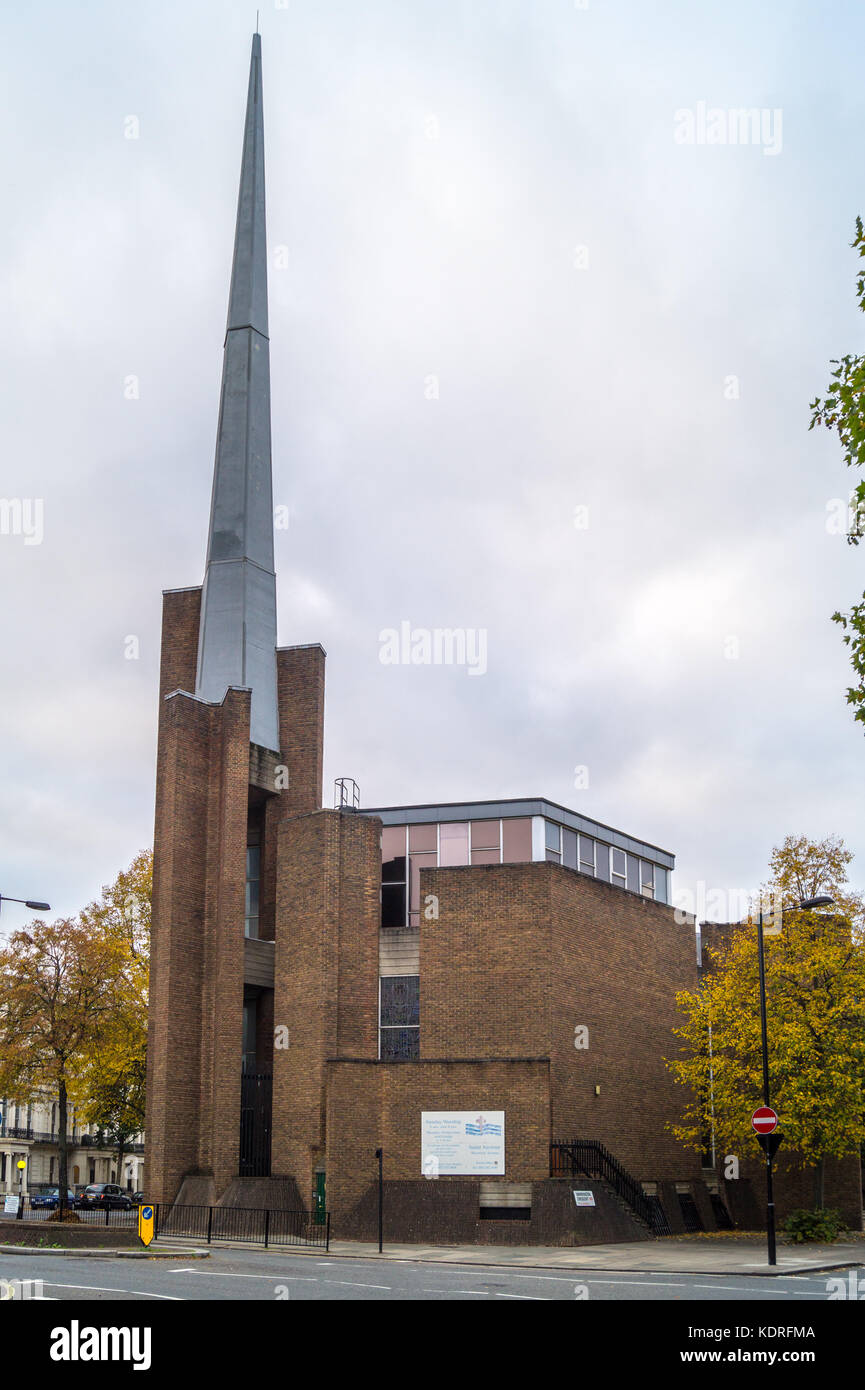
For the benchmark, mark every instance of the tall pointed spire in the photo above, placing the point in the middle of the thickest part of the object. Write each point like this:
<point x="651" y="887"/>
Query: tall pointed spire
<point x="237" y="638"/>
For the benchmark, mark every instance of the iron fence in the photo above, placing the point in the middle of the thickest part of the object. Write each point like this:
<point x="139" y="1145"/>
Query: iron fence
<point x="255" y="1225"/>
<point x="35" y="1206"/>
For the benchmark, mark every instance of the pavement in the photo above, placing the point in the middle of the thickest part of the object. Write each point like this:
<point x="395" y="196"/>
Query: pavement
<point x="730" y="1256"/>
<point x="665" y="1256"/>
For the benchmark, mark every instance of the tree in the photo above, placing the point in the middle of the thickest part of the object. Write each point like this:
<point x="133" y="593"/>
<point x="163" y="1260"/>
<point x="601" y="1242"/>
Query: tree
<point x="112" y="1084"/>
<point x="58" y="989"/>
<point x="73" y="1010"/>
<point x="815" y="989"/>
<point x="844" y="410"/>
<point x="115" y="1104"/>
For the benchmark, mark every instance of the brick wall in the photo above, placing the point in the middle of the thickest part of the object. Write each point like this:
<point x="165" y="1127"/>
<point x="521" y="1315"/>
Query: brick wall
<point x="325" y="973"/>
<point x="379" y="1104"/>
<point x="521" y="954"/>
<point x="196" y="971"/>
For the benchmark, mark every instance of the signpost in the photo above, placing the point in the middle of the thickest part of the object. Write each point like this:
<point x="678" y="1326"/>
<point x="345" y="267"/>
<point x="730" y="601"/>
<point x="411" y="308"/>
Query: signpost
<point x="145" y="1225"/>
<point x="764" y="1120"/>
<point x="22" y="1164"/>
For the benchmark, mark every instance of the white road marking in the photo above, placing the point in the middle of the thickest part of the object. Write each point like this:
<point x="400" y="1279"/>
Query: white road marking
<point x="532" y="1297"/>
<point x="272" y="1278"/>
<point x="97" y="1288"/>
<point x="350" y="1283"/>
<point x="476" y="1293"/>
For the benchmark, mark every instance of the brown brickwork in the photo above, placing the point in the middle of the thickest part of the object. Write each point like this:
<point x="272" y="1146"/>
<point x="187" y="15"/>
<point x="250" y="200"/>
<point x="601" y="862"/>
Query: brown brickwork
<point x="196" y="970"/>
<point x="205" y="765"/>
<point x="379" y="1104"/>
<point x="523" y="953"/>
<point x="326" y="972"/>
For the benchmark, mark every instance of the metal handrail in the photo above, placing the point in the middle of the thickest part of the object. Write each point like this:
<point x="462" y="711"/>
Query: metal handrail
<point x="573" y="1156"/>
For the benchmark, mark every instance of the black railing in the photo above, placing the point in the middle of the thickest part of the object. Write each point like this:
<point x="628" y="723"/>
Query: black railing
<point x="573" y="1157"/>
<point x="73" y="1141"/>
<point x="256" y="1104"/>
<point x="255" y="1225"/>
<point x="40" y="1206"/>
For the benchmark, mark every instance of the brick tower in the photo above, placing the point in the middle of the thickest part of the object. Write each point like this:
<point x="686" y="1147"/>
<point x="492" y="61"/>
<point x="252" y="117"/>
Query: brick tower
<point x="238" y="811"/>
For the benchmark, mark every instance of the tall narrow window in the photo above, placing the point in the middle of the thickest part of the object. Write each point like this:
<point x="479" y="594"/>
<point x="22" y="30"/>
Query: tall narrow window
<point x="587" y="854"/>
<point x="647" y="879"/>
<point x="399" y="1018"/>
<point x="620" y="868"/>
<point x="553" y="841"/>
<point x="253" y="875"/>
<point x="393" y="876"/>
<point x="660" y="884"/>
<point x="250" y="1028"/>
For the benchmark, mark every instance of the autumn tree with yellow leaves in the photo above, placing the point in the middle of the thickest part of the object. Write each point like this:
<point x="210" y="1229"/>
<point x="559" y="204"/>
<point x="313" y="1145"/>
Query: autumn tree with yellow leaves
<point x="73" y="1002"/>
<point x="815" y="993"/>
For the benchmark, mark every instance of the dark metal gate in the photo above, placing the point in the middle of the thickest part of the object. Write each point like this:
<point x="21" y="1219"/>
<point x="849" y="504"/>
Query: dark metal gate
<point x="256" y="1103"/>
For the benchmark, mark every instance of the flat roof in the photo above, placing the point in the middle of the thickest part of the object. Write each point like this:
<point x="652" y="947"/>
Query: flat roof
<point x="530" y="806"/>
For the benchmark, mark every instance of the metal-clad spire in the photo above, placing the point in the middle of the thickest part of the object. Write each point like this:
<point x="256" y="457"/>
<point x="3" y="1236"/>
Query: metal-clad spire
<point x="237" y="638"/>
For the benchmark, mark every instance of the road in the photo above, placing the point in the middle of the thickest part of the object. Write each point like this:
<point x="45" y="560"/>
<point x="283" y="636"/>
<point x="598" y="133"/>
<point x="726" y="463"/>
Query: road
<point x="248" y="1275"/>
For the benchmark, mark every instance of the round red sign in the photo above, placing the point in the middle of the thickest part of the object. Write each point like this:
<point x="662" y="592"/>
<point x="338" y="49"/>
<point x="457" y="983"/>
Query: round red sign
<point x="764" y="1120"/>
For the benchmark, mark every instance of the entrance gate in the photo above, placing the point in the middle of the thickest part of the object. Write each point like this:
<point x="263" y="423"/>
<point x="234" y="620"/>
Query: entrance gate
<point x="256" y="1104"/>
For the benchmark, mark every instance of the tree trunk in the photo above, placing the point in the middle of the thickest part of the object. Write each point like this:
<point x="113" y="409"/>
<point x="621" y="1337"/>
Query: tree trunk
<point x="819" y="1183"/>
<point x="121" y="1151"/>
<point x="63" y="1143"/>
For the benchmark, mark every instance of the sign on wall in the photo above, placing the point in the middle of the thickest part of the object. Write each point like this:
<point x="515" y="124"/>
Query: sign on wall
<point x="584" y="1199"/>
<point x="461" y="1142"/>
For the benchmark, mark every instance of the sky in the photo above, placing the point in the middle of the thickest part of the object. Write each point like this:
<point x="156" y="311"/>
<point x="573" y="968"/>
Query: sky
<point x="542" y="346"/>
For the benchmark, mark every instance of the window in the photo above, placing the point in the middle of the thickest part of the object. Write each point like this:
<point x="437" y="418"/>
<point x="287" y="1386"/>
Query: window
<point x="454" y="844"/>
<point x="553" y="842"/>
<point x="399" y="1018"/>
<point x="486" y="836"/>
<point x="647" y="879"/>
<point x="393" y="876"/>
<point x="633" y="873"/>
<point x="602" y="861"/>
<point x="418" y="862"/>
<point x="587" y="854"/>
<point x="661" y="884"/>
<point x="619" y="868"/>
<point x="517" y="841"/>
<point x="250" y="1021"/>
<point x="253" y="875"/>
<point x="569" y="848"/>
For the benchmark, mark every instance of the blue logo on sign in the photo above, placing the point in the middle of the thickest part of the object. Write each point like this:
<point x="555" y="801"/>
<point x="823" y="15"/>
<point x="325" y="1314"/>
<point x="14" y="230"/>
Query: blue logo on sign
<point x="482" y="1126"/>
<point x="147" y="1214"/>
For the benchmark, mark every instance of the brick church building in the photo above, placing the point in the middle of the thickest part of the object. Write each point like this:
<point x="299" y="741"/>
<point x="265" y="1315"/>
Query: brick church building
<point x="470" y="988"/>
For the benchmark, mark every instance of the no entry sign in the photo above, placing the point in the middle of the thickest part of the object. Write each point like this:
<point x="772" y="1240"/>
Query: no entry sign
<point x="764" y="1120"/>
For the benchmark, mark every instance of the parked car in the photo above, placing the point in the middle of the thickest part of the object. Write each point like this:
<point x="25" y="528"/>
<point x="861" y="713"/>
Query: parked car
<point x="99" y="1195"/>
<point x="50" y="1197"/>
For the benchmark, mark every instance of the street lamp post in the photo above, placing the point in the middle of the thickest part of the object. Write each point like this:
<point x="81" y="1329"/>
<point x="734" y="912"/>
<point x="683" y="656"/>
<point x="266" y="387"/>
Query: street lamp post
<point x="35" y="907"/>
<point x="22" y="1164"/>
<point x="804" y="906"/>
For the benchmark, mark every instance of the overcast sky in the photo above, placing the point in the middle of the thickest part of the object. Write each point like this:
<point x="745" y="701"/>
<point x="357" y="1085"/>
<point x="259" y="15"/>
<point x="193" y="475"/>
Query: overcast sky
<point x="503" y="287"/>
